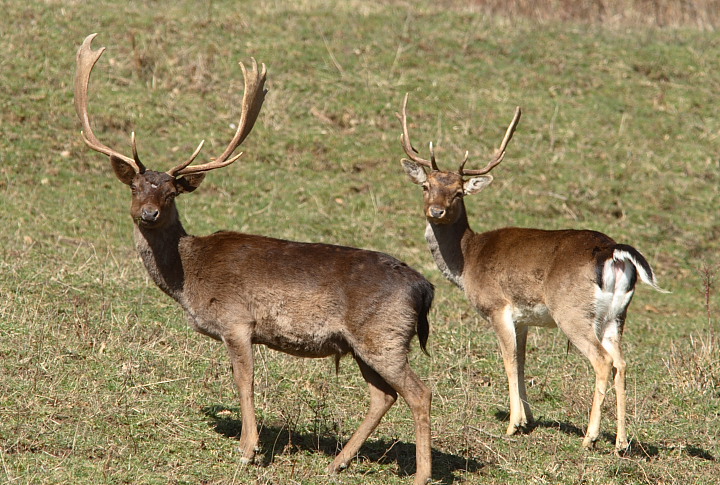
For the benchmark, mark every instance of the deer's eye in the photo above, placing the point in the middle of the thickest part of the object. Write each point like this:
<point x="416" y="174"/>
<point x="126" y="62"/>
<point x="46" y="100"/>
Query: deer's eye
<point x="425" y="188"/>
<point x="458" y="195"/>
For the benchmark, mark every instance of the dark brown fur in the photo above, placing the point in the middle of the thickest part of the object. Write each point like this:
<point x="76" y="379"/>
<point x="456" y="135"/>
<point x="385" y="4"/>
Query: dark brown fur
<point x="308" y="300"/>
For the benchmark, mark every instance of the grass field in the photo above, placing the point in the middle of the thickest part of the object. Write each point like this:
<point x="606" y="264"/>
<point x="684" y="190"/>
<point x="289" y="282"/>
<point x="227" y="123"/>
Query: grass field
<point x="101" y="381"/>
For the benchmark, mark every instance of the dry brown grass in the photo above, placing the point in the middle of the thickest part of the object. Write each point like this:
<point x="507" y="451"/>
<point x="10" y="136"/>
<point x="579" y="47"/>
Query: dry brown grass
<point x="701" y="14"/>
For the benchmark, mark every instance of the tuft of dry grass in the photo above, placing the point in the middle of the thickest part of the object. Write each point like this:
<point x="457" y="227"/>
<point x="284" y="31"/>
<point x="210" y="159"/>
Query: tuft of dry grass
<point x="694" y="364"/>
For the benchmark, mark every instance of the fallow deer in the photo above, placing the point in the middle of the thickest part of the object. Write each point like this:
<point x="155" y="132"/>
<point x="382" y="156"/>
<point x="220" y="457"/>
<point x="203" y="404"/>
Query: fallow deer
<point x="578" y="280"/>
<point x="308" y="300"/>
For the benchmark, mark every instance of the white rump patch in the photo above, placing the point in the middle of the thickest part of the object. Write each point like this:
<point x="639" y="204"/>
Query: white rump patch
<point x="618" y="275"/>
<point x="613" y="298"/>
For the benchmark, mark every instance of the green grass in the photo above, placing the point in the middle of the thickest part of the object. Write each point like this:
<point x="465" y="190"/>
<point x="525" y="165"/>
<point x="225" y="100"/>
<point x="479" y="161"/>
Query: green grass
<point x="102" y="382"/>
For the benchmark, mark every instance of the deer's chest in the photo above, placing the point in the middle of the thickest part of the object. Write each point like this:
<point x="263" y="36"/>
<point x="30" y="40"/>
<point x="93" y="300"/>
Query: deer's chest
<point x="206" y="326"/>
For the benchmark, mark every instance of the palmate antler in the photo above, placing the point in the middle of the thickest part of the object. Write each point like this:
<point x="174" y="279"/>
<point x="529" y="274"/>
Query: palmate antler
<point x="432" y="164"/>
<point x="253" y="98"/>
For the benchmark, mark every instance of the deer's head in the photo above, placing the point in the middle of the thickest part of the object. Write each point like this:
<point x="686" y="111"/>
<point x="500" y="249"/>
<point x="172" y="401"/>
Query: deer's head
<point x="443" y="190"/>
<point x="153" y="193"/>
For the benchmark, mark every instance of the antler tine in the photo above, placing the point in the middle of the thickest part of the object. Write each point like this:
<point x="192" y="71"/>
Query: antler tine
<point x="462" y="165"/>
<point x="135" y="153"/>
<point x="405" y="140"/>
<point x="433" y="163"/>
<point x="252" y="102"/>
<point x="175" y="171"/>
<point x="500" y="153"/>
<point x="85" y="60"/>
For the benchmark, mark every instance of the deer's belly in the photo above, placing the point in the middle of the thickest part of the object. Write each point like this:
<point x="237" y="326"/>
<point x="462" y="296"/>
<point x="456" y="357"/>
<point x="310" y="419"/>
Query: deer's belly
<point x="533" y="315"/>
<point x="304" y="339"/>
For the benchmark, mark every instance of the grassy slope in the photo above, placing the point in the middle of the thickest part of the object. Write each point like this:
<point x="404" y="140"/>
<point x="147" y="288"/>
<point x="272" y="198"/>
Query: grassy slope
<point x="100" y="380"/>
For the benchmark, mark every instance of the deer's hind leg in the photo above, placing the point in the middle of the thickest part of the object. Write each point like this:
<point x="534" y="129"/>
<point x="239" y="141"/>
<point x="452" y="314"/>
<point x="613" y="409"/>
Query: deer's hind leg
<point x="382" y="397"/>
<point x="611" y="342"/>
<point x="419" y="398"/>
<point x="386" y="379"/>
<point x="580" y="329"/>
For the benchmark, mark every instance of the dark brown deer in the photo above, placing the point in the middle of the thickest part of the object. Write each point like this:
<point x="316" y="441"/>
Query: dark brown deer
<point x="580" y="281"/>
<point x="308" y="300"/>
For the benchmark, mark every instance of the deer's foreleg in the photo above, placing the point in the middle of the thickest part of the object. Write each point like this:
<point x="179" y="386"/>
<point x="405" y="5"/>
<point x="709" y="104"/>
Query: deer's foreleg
<point x="512" y="342"/>
<point x="241" y="356"/>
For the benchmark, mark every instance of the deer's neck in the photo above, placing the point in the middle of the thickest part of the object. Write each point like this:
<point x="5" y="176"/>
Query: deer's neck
<point x="159" y="250"/>
<point x="446" y="245"/>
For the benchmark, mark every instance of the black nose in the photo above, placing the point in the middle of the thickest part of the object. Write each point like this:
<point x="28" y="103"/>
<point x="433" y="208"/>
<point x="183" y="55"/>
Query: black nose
<point x="437" y="212"/>
<point x="150" y="214"/>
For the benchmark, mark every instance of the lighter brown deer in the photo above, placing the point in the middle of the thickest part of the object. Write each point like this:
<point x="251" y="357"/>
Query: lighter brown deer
<point x="309" y="300"/>
<point x="578" y="280"/>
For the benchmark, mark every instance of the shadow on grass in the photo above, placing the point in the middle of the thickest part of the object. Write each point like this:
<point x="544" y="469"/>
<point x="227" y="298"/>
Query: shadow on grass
<point x="637" y="449"/>
<point x="696" y="452"/>
<point x="278" y="440"/>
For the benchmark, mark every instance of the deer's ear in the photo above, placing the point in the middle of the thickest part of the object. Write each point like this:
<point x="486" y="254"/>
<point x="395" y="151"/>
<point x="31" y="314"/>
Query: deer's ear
<point x="415" y="172"/>
<point x="123" y="170"/>
<point x="188" y="183"/>
<point x="476" y="184"/>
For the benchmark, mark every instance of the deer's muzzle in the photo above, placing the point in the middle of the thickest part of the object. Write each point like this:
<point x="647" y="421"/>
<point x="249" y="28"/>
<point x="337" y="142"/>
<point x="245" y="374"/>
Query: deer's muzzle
<point x="149" y="215"/>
